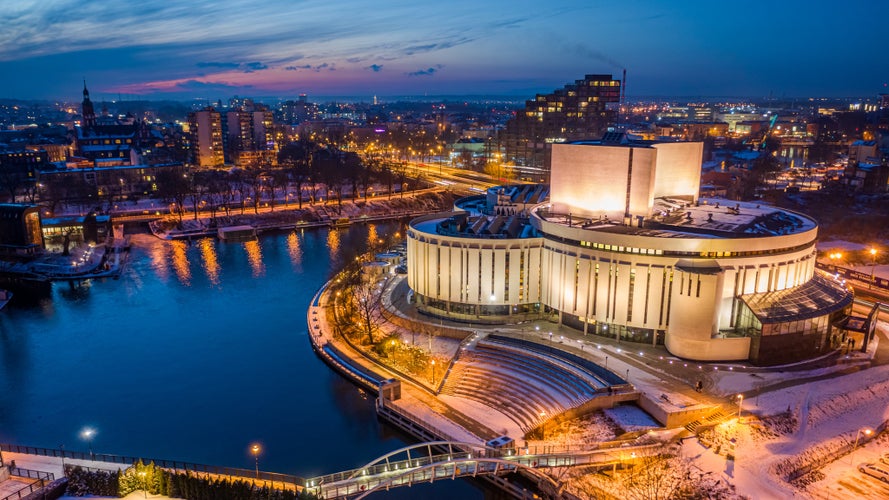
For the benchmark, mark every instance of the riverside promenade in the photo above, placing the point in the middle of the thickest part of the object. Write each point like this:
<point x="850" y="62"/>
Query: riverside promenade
<point x="651" y="370"/>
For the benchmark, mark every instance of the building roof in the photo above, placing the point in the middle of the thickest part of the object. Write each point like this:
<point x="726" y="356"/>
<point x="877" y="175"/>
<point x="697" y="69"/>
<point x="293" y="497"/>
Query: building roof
<point x="819" y="296"/>
<point x="709" y="218"/>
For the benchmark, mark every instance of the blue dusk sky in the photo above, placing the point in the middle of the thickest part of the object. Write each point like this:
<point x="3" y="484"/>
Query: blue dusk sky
<point x="217" y="48"/>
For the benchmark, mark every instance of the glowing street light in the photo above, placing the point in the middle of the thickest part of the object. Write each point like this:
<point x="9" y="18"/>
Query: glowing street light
<point x="255" y="449"/>
<point x="866" y="431"/>
<point x="87" y="434"/>
<point x="433" y="371"/>
<point x="144" y="484"/>
<point x="740" y="402"/>
<point x="873" y="266"/>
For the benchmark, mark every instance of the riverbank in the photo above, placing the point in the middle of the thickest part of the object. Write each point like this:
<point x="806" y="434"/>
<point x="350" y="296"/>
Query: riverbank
<point x="83" y="262"/>
<point x="348" y="212"/>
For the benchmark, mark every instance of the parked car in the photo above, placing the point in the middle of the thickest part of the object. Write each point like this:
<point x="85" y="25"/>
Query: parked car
<point x="878" y="471"/>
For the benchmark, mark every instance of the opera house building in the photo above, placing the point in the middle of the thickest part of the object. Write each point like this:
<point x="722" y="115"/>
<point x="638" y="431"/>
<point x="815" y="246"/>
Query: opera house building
<point x="620" y="245"/>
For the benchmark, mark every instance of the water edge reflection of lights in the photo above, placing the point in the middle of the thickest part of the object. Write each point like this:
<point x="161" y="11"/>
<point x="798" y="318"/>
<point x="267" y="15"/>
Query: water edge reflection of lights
<point x="180" y="261"/>
<point x="295" y="251"/>
<point x="254" y="256"/>
<point x="211" y="262"/>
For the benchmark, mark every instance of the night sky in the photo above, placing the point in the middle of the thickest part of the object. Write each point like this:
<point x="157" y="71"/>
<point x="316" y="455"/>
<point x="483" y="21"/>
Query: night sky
<point x="218" y="48"/>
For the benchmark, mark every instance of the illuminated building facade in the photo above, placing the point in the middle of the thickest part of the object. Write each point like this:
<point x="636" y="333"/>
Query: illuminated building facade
<point x="577" y="111"/>
<point x="205" y="128"/>
<point x="20" y="230"/>
<point x="626" y="249"/>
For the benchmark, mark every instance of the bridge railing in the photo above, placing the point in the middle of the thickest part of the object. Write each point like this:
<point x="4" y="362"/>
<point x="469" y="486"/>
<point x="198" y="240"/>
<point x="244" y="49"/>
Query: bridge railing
<point x="40" y="480"/>
<point x="31" y="474"/>
<point x="232" y="472"/>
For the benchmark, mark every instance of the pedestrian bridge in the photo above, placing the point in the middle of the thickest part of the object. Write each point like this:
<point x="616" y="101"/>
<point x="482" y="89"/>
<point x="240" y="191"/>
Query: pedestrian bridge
<point x="437" y="460"/>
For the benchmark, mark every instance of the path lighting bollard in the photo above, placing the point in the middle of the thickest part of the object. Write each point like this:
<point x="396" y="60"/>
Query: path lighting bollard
<point x="740" y="402"/>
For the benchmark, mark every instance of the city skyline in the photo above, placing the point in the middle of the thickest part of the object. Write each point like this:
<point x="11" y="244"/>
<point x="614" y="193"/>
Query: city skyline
<point x="216" y="49"/>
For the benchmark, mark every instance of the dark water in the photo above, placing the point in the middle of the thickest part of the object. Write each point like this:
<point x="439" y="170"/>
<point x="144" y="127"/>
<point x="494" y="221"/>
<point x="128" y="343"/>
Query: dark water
<point x="194" y="353"/>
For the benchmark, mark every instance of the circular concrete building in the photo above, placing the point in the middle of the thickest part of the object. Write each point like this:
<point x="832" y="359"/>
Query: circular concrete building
<point x="624" y="248"/>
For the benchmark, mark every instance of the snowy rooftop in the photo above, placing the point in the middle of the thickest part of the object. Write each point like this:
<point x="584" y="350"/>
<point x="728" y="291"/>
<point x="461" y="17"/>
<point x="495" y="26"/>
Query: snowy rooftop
<point x="709" y="218"/>
<point x="481" y="226"/>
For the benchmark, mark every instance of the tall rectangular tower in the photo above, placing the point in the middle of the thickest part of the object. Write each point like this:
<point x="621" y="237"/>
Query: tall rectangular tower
<point x="582" y="110"/>
<point x="205" y="127"/>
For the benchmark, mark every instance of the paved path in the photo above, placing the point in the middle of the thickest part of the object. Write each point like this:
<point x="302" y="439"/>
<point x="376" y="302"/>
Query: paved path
<point x="653" y="363"/>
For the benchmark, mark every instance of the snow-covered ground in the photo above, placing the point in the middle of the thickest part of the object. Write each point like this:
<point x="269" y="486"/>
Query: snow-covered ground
<point x="803" y="424"/>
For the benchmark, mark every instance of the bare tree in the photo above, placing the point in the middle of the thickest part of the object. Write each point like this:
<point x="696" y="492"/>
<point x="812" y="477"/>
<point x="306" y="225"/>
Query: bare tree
<point x="366" y="295"/>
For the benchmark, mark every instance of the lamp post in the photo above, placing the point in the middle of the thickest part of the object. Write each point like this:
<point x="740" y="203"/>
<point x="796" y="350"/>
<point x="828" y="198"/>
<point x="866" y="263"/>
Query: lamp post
<point x="87" y="435"/>
<point x="255" y="449"/>
<point x="740" y="402"/>
<point x="144" y="484"/>
<point x="433" y="371"/>
<point x="606" y="362"/>
<point x="866" y="431"/>
<point x="873" y="266"/>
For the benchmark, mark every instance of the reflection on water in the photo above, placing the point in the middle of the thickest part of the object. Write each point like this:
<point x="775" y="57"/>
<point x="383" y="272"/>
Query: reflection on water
<point x="296" y="253"/>
<point x="373" y="240"/>
<point x="160" y="262"/>
<point x="254" y="257"/>
<point x="180" y="261"/>
<point x="210" y="262"/>
<point x="333" y="244"/>
<point x="172" y="369"/>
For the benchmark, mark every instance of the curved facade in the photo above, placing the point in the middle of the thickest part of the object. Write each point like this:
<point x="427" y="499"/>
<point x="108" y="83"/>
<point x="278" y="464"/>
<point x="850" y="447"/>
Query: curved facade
<point x="709" y="280"/>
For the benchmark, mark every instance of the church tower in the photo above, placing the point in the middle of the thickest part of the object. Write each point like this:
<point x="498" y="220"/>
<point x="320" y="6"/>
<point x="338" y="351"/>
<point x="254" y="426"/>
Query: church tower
<point x="89" y="114"/>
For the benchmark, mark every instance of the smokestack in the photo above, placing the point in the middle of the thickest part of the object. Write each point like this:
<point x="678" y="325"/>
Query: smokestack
<point x="623" y="88"/>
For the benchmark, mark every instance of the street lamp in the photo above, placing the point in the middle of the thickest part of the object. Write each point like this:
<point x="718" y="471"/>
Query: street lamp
<point x="255" y="449"/>
<point x="740" y="402"/>
<point x="873" y="266"/>
<point x="433" y="371"/>
<point x="866" y="431"/>
<point x="144" y="484"/>
<point x="87" y="435"/>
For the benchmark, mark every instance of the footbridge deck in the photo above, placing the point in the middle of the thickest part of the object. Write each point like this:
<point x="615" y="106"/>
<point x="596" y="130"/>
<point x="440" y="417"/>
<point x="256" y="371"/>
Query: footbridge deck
<point x="438" y="460"/>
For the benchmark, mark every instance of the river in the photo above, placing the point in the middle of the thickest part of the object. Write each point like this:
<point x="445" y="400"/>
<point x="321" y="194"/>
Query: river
<point x="197" y="350"/>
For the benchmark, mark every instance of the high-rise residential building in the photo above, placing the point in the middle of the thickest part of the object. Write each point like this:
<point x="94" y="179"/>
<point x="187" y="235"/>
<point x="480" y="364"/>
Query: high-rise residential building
<point x="301" y="110"/>
<point x="582" y="110"/>
<point x="205" y="127"/>
<point x="250" y="136"/>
